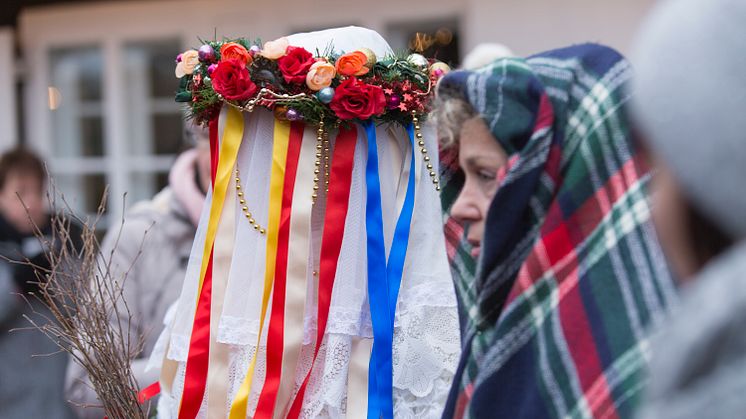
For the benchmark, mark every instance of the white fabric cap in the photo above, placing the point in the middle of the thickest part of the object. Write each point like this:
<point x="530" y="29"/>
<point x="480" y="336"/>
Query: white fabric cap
<point x="343" y="40"/>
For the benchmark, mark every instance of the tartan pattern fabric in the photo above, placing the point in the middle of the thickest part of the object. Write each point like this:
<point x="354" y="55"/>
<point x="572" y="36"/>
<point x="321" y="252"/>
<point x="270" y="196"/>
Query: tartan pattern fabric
<point x="463" y="265"/>
<point x="571" y="274"/>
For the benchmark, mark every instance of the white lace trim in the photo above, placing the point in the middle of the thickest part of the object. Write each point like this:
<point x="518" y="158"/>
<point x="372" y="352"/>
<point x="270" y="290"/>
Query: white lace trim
<point x="425" y="349"/>
<point x="243" y="331"/>
<point x="179" y="349"/>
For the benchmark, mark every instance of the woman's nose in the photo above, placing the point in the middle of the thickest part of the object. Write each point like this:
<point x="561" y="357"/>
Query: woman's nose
<point x="465" y="209"/>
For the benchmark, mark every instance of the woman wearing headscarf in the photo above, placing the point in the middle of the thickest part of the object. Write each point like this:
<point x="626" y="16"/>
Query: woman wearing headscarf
<point x="688" y="110"/>
<point x="552" y="203"/>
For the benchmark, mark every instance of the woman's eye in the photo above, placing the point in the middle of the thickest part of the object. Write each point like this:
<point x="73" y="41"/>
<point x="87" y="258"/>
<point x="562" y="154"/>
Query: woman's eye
<point x="486" y="175"/>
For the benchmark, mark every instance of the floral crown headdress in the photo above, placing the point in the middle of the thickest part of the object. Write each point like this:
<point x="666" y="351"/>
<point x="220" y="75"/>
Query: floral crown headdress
<point x="323" y="90"/>
<point x="299" y="86"/>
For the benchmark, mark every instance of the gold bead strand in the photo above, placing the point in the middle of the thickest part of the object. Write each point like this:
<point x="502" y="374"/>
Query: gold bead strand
<point x="423" y="150"/>
<point x="317" y="171"/>
<point x="326" y="161"/>
<point x="245" y="208"/>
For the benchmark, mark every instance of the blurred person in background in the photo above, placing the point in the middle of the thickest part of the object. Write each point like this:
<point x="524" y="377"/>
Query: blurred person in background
<point x="690" y="92"/>
<point x="32" y="368"/>
<point x="153" y="248"/>
<point x="541" y="178"/>
<point x="484" y="54"/>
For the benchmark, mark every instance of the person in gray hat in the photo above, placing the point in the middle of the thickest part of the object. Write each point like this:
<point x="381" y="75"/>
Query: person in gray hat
<point x="690" y="92"/>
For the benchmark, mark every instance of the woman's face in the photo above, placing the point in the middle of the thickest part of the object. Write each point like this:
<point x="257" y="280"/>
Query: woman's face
<point x="480" y="157"/>
<point x="671" y="220"/>
<point x="21" y="198"/>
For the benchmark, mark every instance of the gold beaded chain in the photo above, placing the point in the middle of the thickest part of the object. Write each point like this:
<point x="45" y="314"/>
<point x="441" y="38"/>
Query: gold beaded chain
<point x="322" y="152"/>
<point x="326" y="160"/>
<point x="320" y="134"/>
<point x="423" y="150"/>
<point x="244" y="208"/>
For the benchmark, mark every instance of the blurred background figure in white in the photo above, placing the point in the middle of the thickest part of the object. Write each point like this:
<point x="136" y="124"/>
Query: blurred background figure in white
<point x="484" y="54"/>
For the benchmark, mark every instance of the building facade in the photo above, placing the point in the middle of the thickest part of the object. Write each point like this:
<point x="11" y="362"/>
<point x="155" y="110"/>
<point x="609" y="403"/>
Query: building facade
<point x="96" y="78"/>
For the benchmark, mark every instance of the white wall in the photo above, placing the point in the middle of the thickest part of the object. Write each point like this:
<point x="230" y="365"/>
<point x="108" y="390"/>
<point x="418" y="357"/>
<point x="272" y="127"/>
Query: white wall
<point x="529" y="27"/>
<point x="8" y="115"/>
<point x="525" y="26"/>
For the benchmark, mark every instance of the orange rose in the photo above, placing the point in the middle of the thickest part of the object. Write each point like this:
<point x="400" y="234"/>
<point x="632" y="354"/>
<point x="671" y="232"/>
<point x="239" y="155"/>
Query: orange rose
<point x="352" y="64"/>
<point x="232" y="50"/>
<point x="320" y="75"/>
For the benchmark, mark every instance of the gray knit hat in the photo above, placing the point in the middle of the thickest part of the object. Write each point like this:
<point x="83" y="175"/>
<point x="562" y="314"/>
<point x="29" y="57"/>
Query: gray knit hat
<point x="690" y="101"/>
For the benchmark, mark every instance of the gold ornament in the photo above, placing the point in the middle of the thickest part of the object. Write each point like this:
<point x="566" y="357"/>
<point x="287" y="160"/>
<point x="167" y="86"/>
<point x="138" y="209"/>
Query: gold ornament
<point x="439" y="67"/>
<point x="372" y="59"/>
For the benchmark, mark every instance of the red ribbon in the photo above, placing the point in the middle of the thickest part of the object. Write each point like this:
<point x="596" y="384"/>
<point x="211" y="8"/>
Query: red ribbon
<point x="149" y="392"/>
<point x="195" y="380"/>
<point x="267" y="399"/>
<point x="337" y="203"/>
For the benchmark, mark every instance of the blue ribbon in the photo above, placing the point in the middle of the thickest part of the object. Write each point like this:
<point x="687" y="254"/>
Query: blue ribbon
<point x="384" y="279"/>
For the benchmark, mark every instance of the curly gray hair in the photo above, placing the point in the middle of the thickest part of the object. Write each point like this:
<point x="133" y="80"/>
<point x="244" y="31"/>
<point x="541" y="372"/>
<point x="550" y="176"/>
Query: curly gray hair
<point x="450" y="111"/>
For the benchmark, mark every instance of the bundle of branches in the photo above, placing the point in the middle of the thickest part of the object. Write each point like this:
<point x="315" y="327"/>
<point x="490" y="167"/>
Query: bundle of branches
<point x="83" y="297"/>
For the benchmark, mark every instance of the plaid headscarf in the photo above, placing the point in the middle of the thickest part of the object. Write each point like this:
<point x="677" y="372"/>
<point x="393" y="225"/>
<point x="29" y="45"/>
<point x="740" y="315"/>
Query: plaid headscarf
<point x="571" y="273"/>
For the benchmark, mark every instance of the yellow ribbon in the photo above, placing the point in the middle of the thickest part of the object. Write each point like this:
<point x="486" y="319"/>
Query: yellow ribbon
<point x="226" y="162"/>
<point x="276" y="182"/>
<point x="231" y="141"/>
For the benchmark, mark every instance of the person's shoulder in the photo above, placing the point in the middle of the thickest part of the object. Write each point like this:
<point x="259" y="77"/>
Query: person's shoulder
<point x="153" y="208"/>
<point x="159" y="216"/>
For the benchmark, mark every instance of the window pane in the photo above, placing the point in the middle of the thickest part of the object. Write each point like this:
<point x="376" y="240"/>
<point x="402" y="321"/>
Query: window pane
<point x="145" y="185"/>
<point x="91" y="133"/>
<point x="431" y="38"/>
<point x="83" y="192"/>
<point x="168" y="133"/>
<point x="75" y="99"/>
<point x="154" y="118"/>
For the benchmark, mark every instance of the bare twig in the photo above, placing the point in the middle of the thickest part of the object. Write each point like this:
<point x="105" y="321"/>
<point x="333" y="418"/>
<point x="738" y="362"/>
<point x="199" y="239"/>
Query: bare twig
<point x="91" y="320"/>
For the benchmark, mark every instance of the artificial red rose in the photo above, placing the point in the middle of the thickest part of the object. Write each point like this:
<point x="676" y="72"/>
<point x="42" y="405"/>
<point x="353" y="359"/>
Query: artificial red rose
<point x="231" y="79"/>
<point x="355" y="99"/>
<point x="295" y="64"/>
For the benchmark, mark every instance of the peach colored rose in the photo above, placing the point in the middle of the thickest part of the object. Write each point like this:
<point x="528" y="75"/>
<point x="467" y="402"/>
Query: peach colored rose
<point x="231" y="50"/>
<point x="275" y="49"/>
<point x="352" y="64"/>
<point x="320" y="75"/>
<point x="189" y="60"/>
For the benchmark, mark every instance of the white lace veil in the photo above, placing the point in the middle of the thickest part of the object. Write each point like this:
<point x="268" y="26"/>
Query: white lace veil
<point x="426" y="339"/>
